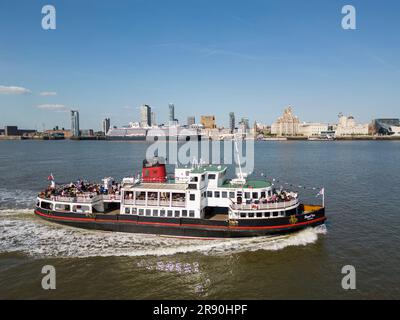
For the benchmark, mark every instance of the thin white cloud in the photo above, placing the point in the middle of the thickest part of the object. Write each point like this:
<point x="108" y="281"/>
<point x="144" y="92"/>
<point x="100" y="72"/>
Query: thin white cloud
<point x="13" y="90"/>
<point x="53" y="107"/>
<point x="48" y="93"/>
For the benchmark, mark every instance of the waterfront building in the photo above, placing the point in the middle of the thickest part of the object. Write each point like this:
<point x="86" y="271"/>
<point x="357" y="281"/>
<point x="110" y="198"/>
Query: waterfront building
<point x="191" y="121"/>
<point x="75" y="123"/>
<point x="232" y="123"/>
<point x="87" y="133"/>
<point x="347" y="126"/>
<point x="310" y="129"/>
<point x="244" y="122"/>
<point x="14" y="131"/>
<point x="11" y="130"/>
<point x="153" y="119"/>
<point x="287" y="125"/>
<point x="145" y="116"/>
<point x="208" y="122"/>
<point x="106" y="125"/>
<point x="59" y="132"/>
<point x="386" y="127"/>
<point x="211" y="133"/>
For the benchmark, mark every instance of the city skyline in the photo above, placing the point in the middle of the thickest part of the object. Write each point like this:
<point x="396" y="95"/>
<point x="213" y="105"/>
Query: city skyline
<point x="284" y="57"/>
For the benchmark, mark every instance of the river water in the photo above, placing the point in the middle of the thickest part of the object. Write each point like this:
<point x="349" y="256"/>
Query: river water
<point x="362" y="186"/>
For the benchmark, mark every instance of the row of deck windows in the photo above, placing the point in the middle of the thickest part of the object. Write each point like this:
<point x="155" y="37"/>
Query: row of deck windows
<point x="262" y="214"/>
<point x="274" y="214"/>
<point x="160" y="213"/>
<point x="64" y="207"/>
<point x="231" y="195"/>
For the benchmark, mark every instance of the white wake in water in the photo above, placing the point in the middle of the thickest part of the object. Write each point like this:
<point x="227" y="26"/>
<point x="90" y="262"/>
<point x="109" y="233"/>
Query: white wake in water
<point x="21" y="232"/>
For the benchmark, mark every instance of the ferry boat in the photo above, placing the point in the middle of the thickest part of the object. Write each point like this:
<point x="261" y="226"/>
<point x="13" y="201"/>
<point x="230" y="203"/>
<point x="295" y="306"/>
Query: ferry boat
<point x="197" y="202"/>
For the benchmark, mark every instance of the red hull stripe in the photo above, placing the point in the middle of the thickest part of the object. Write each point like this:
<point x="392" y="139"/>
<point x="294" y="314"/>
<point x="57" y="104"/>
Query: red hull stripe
<point x="168" y="224"/>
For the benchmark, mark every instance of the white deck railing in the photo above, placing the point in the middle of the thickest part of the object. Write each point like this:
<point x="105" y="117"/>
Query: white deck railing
<point x="83" y="199"/>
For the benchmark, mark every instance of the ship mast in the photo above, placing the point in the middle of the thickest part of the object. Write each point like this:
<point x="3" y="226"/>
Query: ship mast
<point x="240" y="179"/>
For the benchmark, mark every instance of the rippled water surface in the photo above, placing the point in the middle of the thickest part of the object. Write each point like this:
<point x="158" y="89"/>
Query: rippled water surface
<point x="362" y="186"/>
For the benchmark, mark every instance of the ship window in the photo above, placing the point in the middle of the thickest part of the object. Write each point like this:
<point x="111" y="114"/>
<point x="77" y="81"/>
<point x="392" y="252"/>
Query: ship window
<point x="63" y="207"/>
<point x="192" y="197"/>
<point x="140" y="195"/>
<point x="82" y="209"/>
<point x="46" y="205"/>
<point x="38" y="203"/>
<point x="209" y="194"/>
<point x="247" y="195"/>
<point x="184" y="213"/>
<point x="152" y="196"/>
<point x="169" y="213"/>
<point x="177" y="214"/>
<point x="243" y="215"/>
<point x="194" y="179"/>
<point x="127" y="210"/>
<point x="266" y="215"/>
<point x="192" y="186"/>
<point x="211" y="177"/>
<point x="162" y="213"/>
<point x="263" y="194"/>
<point x="255" y="195"/>
<point x="259" y="214"/>
<point x="203" y="177"/>
<point x="141" y="212"/>
<point x="224" y="194"/>
<point x="251" y="214"/>
<point x="275" y="214"/>
<point x="231" y="195"/>
<point x="134" y="211"/>
<point x="148" y="212"/>
<point x="191" y="213"/>
<point x="155" y="213"/>
<point x="216" y="194"/>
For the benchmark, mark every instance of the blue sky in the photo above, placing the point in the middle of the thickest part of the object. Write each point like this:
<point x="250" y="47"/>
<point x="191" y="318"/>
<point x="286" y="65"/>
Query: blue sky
<point x="207" y="57"/>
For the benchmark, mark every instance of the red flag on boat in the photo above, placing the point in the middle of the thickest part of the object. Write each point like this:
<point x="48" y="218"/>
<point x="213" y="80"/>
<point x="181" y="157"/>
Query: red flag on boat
<point x="50" y="177"/>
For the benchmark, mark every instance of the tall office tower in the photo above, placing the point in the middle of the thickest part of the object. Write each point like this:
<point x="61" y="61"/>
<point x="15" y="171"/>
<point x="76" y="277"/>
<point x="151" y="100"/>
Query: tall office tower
<point x="171" y="113"/>
<point x="106" y="125"/>
<point x="191" y="121"/>
<point x="153" y="118"/>
<point x="75" y="123"/>
<point x="232" y="124"/>
<point x="245" y="123"/>
<point x="145" y="115"/>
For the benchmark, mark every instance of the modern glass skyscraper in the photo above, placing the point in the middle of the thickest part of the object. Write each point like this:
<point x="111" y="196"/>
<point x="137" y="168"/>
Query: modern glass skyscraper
<point x="75" y="123"/>
<point x="106" y="125"/>
<point x="171" y="113"/>
<point x="145" y="115"/>
<point x="232" y="124"/>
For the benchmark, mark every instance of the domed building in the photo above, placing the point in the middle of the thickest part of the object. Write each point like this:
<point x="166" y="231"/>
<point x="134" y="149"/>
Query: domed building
<point x="347" y="126"/>
<point x="287" y="125"/>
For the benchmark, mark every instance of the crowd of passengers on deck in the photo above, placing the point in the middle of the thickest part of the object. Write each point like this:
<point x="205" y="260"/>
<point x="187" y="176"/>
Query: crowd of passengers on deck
<point x="277" y="196"/>
<point x="81" y="189"/>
